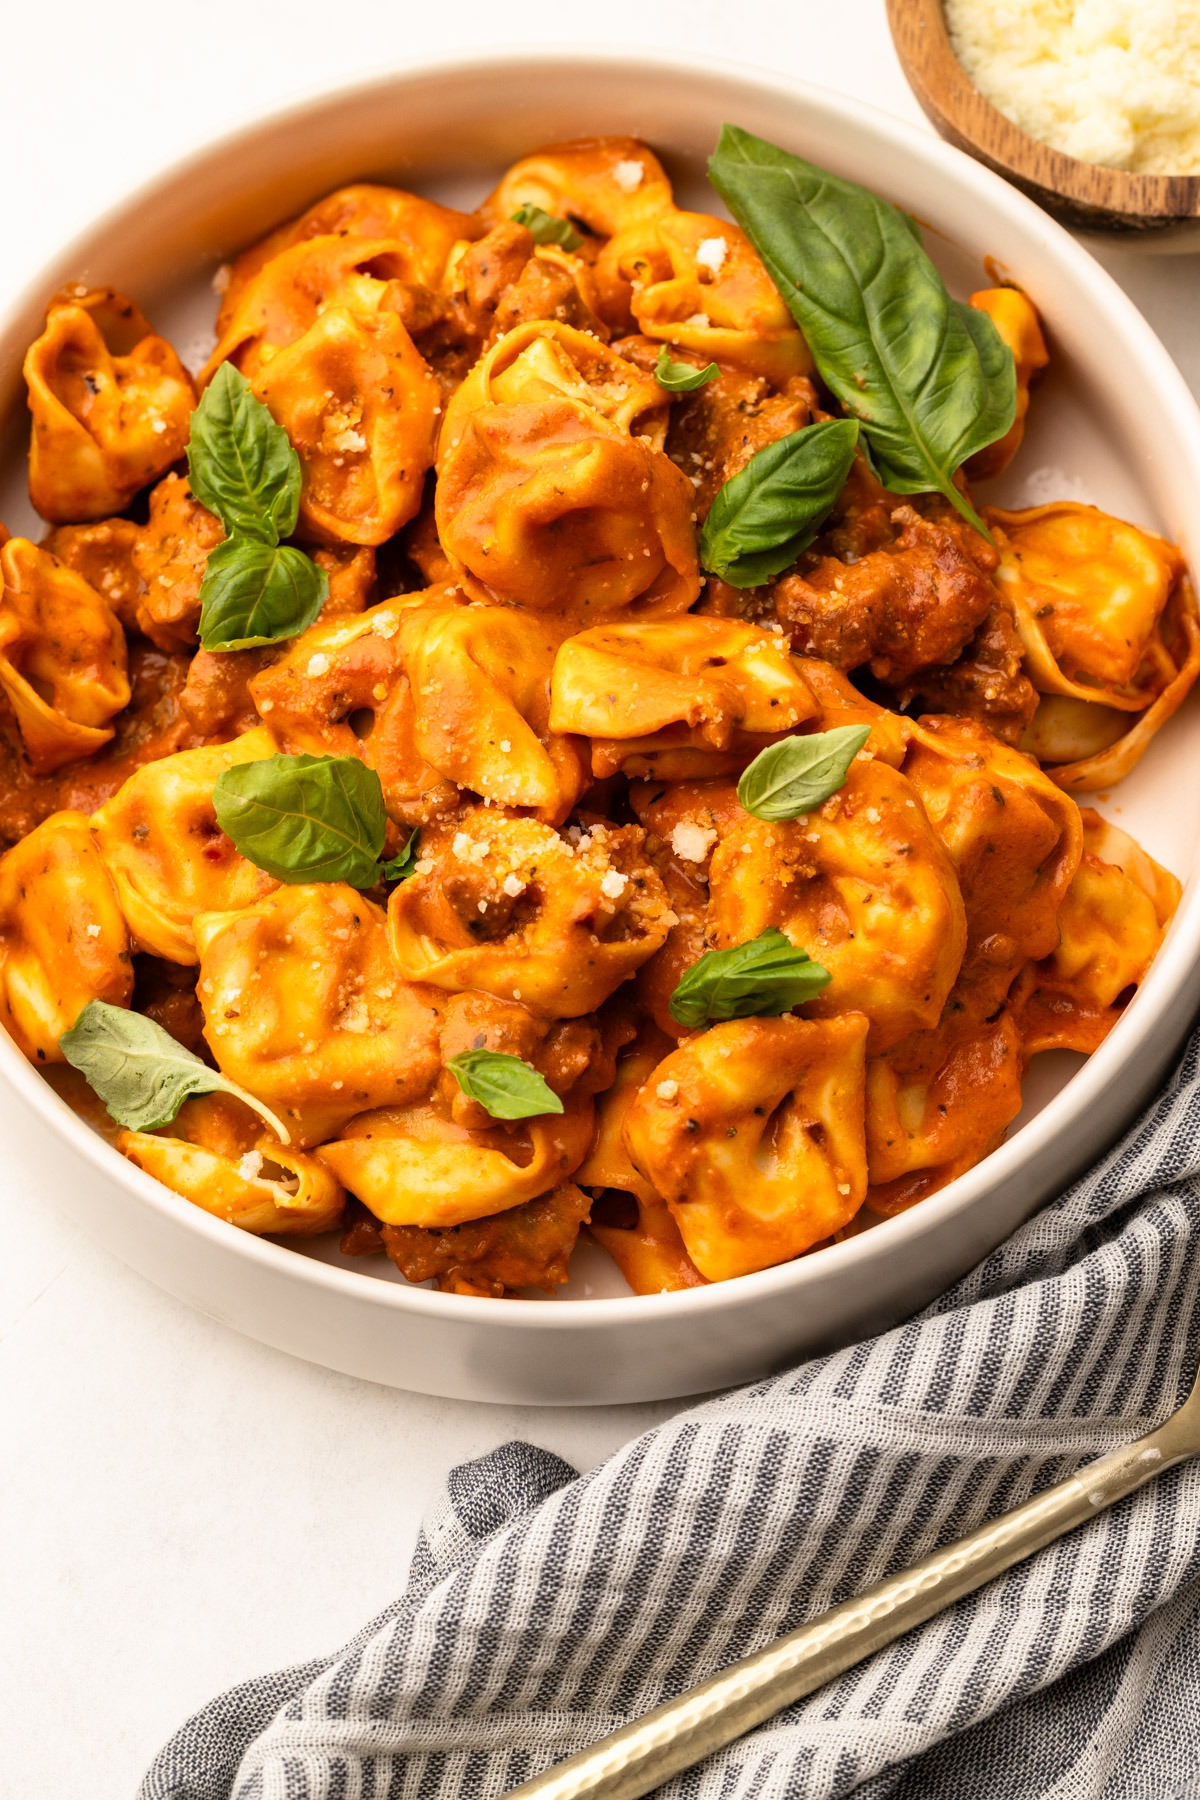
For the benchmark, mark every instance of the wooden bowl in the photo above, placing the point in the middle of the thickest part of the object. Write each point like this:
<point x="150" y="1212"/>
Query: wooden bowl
<point x="1156" y="207"/>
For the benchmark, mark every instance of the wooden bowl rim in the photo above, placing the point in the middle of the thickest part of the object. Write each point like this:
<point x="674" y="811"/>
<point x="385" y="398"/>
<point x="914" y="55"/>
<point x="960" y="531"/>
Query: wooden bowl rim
<point x="1014" y="151"/>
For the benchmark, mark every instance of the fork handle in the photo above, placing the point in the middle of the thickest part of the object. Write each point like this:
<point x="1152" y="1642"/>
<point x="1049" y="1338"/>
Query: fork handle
<point x="640" y="1756"/>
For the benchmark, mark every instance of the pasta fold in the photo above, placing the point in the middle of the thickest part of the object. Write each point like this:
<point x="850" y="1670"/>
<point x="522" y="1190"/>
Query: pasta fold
<point x="63" y="662"/>
<point x="167" y="855"/>
<point x="216" y="1156"/>
<point x="1111" y="923"/>
<point x="509" y="906"/>
<point x="111" y="405"/>
<point x="552" y="491"/>
<point x="63" y="941"/>
<point x="414" y="1166"/>
<point x="303" y="1007"/>
<point x="753" y="1133"/>
<point x="865" y="886"/>
<point x="677" y="698"/>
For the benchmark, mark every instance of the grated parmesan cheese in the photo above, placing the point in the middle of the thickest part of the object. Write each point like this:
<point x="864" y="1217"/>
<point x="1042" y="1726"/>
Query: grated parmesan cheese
<point x="692" y="842"/>
<point x="712" y="254"/>
<point x="1114" y="82"/>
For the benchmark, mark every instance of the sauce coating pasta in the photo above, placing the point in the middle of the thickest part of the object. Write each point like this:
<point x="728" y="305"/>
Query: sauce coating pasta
<point x="670" y="852"/>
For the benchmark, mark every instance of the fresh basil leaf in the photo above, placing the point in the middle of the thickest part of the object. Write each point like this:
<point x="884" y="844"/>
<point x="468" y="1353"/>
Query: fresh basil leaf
<point x="546" y="228"/>
<point x="766" y="514"/>
<point x="254" y="593"/>
<point x="140" y="1072"/>
<point x="504" y="1086"/>
<point x="682" y="378"/>
<point x="240" y="462"/>
<point x="400" y="867"/>
<point x="305" y="818"/>
<point x="796" y="775"/>
<point x="930" y="380"/>
<point x="762" y="978"/>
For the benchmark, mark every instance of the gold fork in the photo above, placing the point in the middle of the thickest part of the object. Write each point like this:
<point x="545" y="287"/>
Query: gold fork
<point x="639" y="1757"/>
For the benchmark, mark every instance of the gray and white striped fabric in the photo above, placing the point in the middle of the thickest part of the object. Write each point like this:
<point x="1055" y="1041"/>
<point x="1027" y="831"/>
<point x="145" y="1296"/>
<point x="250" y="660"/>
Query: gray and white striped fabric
<point x="545" y="1609"/>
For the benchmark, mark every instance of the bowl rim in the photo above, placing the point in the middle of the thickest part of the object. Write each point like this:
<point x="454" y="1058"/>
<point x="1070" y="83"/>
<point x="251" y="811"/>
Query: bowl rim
<point x="1178" y="958"/>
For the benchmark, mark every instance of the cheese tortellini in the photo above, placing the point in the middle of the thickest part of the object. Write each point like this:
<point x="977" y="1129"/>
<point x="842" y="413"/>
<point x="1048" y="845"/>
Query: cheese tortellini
<point x="866" y="886"/>
<point x="630" y="1218"/>
<point x="111" y="406"/>
<point x="304" y="1008"/>
<point x="415" y="1166"/>
<point x="167" y="855"/>
<point x="1014" y="838"/>
<point x="753" y="1133"/>
<point x="677" y="698"/>
<point x="553" y="491"/>
<point x="63" y="661"/>
<point x="420" y="234"/>
<point x="704" y="289"/>
<point x="606" y="970"/>
<point x="1110" y="630"/>
<point x="504" y="904"/>
<point x="229" y="1168"/>
<point x="317" y="336"/>
<point x="1111" y="923"/>
<point x="63" y="939"/>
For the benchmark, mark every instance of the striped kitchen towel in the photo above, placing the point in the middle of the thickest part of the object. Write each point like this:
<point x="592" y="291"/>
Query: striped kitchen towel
<point x="544" y="1609"/>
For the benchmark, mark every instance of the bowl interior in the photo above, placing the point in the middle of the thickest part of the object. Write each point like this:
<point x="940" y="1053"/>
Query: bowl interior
<point x="449" y="132"/>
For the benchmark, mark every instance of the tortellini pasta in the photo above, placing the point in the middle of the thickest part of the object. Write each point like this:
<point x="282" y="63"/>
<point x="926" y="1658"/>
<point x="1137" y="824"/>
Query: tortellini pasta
<point x="303" y="1007"/>
<point x="677" y="698"/>
<point x="230" y="1169"/>
<point x="478" y="680"/>
<point x="630" y="1219"/>
<point x="63" y="662"/>
<point x="1110" y="924"/>
<point x="63" y="940"/>
<point x="554" y="1005"/>
<point x="753" y="1133"/>
<point x="424" y="232"/>
<point x="548" y="497"/>
<point x="341" y="689"/>
<point x="1088" y="744"/>
<point x="111" y="406"/>
<point x="866" y="886"/>
<point x="527" y="913"/>
<point x="612" y="186"/>
<point x="938" y="1102"/>
<point x="414" y="1166"/>
<point x="166" y="853"/>
<point x="318" y="339"/>
<point x="1088" y="591"/>
<point x="704" y="289"/>
<point x="1014" y="838"/>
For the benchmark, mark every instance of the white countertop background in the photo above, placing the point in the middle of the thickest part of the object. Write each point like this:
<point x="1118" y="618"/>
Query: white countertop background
<point x="181" y="1507"/>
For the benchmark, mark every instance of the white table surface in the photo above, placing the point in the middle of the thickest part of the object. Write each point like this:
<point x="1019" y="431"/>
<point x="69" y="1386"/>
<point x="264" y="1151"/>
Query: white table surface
<point x="180" y="1507"/>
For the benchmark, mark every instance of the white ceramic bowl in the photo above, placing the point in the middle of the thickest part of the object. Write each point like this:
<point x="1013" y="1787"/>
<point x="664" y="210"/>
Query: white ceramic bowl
<point x="1113" y="423"/>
